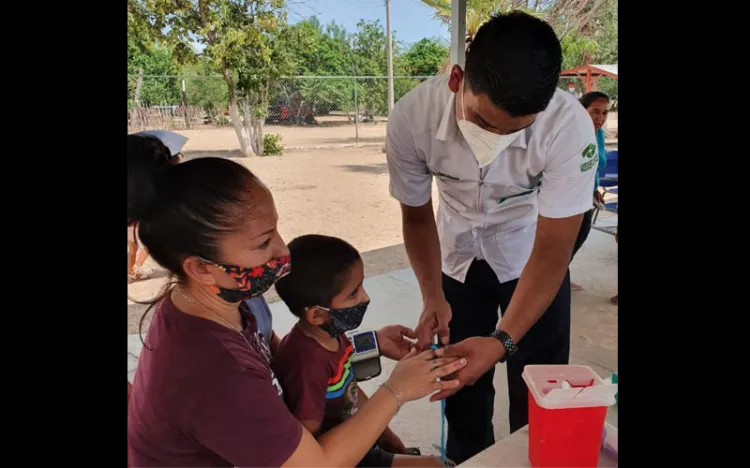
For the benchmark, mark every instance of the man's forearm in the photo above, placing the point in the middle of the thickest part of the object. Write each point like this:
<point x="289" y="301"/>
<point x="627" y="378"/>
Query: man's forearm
<point x="536" y="289"/>
<point x="423" y="248"/>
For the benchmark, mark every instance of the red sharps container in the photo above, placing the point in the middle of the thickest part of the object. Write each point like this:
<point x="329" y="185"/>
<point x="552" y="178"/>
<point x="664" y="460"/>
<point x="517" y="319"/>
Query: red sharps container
<point x="567" y="407"/>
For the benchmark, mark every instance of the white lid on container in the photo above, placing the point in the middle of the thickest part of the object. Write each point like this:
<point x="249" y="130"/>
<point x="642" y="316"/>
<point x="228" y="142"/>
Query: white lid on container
<point x="568" y="386"/>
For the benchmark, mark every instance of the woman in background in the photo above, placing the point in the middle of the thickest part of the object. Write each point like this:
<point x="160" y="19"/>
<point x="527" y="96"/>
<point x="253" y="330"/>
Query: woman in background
<point x="597" y="105"/>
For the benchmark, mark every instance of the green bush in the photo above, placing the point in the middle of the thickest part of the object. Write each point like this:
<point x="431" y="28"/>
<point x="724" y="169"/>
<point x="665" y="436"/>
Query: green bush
<point x="272" y="144"/>
<point x="222" y="120"/>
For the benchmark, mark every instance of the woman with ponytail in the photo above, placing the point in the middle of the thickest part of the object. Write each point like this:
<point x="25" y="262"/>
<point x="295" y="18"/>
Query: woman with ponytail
<point x="204" y="393"/>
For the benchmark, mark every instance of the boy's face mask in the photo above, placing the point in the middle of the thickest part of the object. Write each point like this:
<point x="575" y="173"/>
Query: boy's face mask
<point x="346" y="319"/>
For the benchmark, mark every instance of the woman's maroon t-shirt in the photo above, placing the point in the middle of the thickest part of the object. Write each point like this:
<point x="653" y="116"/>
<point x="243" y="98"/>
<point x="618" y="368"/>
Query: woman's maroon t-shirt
<point x="203" y="397"/>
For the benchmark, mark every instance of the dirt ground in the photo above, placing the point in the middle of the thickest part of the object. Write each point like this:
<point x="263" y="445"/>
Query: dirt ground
<point x="331" y="131"/>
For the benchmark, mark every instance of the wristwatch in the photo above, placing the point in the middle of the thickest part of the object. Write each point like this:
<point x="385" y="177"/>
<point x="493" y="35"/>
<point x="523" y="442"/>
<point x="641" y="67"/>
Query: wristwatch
<point x="507" y="341"/>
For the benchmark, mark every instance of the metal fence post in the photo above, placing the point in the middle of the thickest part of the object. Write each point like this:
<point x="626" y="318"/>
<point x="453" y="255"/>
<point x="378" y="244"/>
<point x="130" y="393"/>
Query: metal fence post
<point x="185" y="105"/>
<point x="356" y="113"/>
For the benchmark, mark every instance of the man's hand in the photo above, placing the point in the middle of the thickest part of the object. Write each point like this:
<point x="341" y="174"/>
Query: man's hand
<point x="436" y="315"/>
<point x="393" y="342"/>
<point x="481" y="353"/>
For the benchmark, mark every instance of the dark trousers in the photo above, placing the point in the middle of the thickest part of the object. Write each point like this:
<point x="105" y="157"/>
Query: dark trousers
<point x="475" y="306"/>
<point x="583" y="232"/>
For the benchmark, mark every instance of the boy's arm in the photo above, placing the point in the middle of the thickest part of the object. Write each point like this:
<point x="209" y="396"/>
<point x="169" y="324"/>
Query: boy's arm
<point x="312" y="426"/>
<point x="275" y="340"/>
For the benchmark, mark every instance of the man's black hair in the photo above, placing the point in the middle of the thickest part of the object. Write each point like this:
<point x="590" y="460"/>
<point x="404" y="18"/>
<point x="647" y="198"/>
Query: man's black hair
<point x="320" y="267"/>
<point x="589" y="98"/>
<point x="515" y="60"/>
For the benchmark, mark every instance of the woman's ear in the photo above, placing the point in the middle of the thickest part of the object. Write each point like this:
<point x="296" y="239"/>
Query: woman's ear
<point x="198" y="270"/>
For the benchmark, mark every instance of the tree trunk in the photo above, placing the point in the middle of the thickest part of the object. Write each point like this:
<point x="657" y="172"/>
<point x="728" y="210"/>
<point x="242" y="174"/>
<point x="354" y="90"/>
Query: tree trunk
<point x="234" y="113"/>
<point x="134" y="112"/>
<point x="260" y="121"/>
<point x="250" y="126"/>
<point x="258" y="128"/>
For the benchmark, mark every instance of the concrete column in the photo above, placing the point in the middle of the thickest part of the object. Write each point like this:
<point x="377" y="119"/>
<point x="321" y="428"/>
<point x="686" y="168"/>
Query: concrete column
<point x="458" y="32"/>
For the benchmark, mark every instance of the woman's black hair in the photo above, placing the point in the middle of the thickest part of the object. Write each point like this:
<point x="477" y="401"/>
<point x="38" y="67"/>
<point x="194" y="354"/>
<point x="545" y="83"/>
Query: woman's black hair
<point x="183" y="209"/>
<point x="589" y="98"/>
<point x="147" y="156"/>
<point x="192" y="205"/>
<point x="321" y="265"/>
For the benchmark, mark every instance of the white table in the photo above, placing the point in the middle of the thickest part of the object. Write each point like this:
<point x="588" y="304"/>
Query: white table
<point x="513" y="452"/>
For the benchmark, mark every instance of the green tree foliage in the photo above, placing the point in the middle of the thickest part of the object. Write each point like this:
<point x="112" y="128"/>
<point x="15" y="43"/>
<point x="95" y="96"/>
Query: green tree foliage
<point x="239" y="37"/>
<point x="425" y="57"/>
<point x="328" y="53"/>
<point x="155" y="62"/>
<point x="252" y="48"/>
<point x="148" y="58"/>
<point x="204" y="89"/>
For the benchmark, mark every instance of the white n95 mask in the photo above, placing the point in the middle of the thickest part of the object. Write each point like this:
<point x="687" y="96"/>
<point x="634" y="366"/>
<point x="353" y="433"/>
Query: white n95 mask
<point x="485" y="145"/>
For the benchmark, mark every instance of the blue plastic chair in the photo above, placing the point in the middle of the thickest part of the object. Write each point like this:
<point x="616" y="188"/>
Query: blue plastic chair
<point x="608" y="180"/>
<point x="608" y="173"/>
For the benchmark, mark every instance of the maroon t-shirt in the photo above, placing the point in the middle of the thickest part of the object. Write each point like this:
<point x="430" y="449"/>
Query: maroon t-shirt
<point x="203" y="397"/>
<point x="319" y="384"/>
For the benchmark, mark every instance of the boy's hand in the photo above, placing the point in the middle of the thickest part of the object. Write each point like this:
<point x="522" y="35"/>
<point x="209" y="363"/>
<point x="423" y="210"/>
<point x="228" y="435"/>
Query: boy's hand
<point x="394" y="342"/>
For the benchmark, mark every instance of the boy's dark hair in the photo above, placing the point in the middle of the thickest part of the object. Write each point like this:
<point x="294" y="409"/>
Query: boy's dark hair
<point x="515" y="60"/>
<point x="589" y="98"/>
<point x="320" y="265"/>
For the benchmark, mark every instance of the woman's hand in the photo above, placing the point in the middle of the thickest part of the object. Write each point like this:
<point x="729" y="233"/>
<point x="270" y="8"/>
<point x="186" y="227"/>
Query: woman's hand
<point x="416" y="375"/>
<point x="598" y="196"/>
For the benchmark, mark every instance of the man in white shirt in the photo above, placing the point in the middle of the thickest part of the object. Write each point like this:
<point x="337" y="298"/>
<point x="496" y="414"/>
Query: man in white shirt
<point x="514" y="158"/>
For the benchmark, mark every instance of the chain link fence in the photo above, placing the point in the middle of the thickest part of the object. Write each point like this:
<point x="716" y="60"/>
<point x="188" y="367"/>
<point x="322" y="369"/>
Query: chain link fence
<point x="304" y="110"/>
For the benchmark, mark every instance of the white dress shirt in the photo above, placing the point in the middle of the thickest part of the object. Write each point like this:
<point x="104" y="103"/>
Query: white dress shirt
<point x="491" y="213"/>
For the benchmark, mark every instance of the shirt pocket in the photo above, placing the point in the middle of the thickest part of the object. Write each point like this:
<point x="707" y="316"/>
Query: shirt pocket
<point x="510" y="192"/>
<point x="507" y="197"/>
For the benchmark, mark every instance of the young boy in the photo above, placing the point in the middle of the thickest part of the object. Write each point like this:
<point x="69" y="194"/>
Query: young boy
<point x="313" y="362"/>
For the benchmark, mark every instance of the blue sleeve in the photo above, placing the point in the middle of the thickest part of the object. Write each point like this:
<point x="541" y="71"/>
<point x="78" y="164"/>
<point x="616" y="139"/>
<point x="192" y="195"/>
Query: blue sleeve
<point x="602" y="154"/>
<point x="261" y="311"/>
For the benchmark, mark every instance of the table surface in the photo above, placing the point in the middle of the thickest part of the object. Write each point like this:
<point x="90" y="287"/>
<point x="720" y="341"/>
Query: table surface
<point x="513" y="452"/>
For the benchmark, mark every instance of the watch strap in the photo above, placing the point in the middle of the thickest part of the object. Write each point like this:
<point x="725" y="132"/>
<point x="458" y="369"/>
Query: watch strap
<point x="508" y="344"/>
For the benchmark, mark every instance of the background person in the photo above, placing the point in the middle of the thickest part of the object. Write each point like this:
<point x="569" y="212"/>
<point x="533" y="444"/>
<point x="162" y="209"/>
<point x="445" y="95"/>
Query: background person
<point x="597" y="106"/>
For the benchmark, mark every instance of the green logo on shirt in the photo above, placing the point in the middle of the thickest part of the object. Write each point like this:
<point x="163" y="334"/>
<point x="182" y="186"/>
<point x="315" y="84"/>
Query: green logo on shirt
<point x="588" y="153"/>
